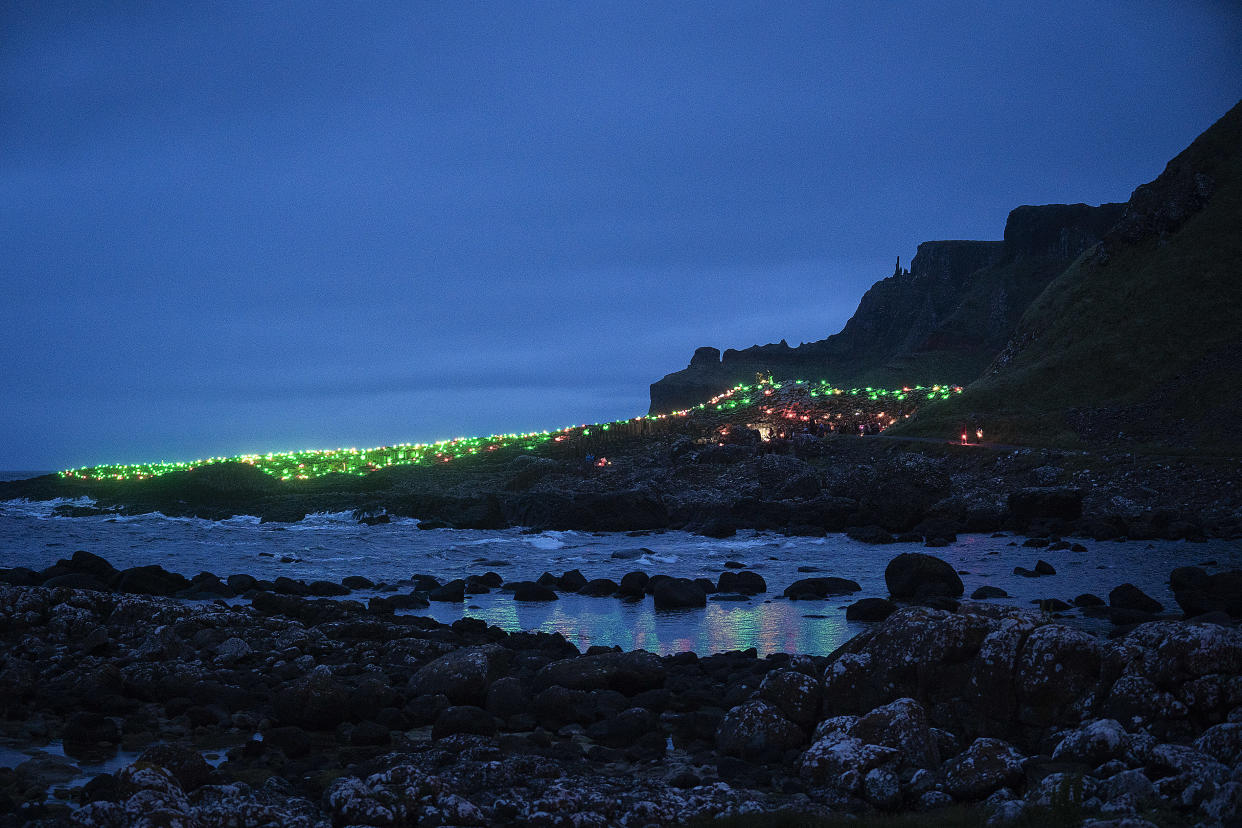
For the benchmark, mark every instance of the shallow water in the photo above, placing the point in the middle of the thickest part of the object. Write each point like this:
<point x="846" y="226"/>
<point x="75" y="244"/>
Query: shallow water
<point x="331" y="546"/>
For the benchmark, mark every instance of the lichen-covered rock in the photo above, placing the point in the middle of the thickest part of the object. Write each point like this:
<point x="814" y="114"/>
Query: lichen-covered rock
<point x="757" y="730"/>
<point x="1223" y="742"/>
<point x="1057" y="675"/>
<point x="901" y="725"/>
<point x="1135" y="701"/>
<point x="796" y="695"/>
<point x="985" y="766"/>
<point x="826" y="761"/>
<point x="1094" y="743"/>
<point x="882" y="789"/>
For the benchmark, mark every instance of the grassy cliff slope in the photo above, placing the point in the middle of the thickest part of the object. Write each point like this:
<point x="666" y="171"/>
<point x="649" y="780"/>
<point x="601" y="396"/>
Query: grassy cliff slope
<point x="1139" y="341"/>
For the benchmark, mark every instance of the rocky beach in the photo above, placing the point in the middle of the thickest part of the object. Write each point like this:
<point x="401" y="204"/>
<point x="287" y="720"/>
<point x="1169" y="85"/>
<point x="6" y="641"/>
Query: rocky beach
<point x="292" y="703"/>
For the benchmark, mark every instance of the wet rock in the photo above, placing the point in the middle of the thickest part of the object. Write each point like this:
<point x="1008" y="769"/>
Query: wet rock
<point x="812" y="588"/>
<point x="1042" y="567"/>
<point x="870" y="609"/>
<point x="453" y="592"/>
<point x="756" y="730"/>
<point x="744" y="583"/>
<point x="625" y="728"/>
<point x="357" y="582"/>
<point x="76" y="580"/>
<point x="1088" y="600"/>
<point x="533" y="592"/>
<point x="985" y="766"/>
<point x="1130" y="597"/>
<point x="633" y="584"/>
<point x="985" y="592"/>
<point x="913" y="576"/>
<point x="571" y="581"/>
<point x="600" y="588"/>
<point x="678" y="593"/>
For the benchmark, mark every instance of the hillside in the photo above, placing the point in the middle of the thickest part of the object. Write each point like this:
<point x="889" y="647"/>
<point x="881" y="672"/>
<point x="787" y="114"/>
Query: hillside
<point x="1139" y="341"/>
<point x="945" y="317"/>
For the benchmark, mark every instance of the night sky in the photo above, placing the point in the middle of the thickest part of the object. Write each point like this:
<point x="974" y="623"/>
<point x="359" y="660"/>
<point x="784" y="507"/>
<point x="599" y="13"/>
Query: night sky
<point x="232" y="227"/>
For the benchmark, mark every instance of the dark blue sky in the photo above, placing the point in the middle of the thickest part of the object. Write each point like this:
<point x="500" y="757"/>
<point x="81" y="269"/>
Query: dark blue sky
<point x="228" y="227"/>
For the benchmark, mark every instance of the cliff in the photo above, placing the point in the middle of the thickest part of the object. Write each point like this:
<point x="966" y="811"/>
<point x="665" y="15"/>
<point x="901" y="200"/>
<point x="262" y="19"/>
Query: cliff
<point x="943" y="320"/>
<point x="1139" y="340"/>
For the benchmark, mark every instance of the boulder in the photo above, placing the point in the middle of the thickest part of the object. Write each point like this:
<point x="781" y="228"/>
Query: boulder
<point x="628" y="673"/>
<point x="870" y="609"/>
<point x="599" y="588"/>
<point x="571" y="581"/>
<point x="453" y="592"/>
<point x="317" y="702"/>
<point x="462" y="675"/>
<point x="836" y="754"/>
<point x="678" y="593"/>
<point x="633" y="584"/>
<point x="184" y="762"/>
<point x="913" y="576"/>
<point x="1130" y="597"/>
<point x="985" y="592"/>
<point x="986" y="766"/>
<point x="149" y="580"/>
<point x="743" y="582"/>
<point x="901" y="725"/>
<point x="756" y="731"/>
<point x="1094" y="743"/>
<point x="529" y="591"/>
<point x="820" y="588"/>
<point x="795" y="694"/>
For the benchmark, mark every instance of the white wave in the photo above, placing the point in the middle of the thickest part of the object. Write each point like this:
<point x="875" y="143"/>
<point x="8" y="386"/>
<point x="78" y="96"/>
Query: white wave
<point x="647" y="560"/>
<point x="546" y="541"/>
<point x="22" y="507"/>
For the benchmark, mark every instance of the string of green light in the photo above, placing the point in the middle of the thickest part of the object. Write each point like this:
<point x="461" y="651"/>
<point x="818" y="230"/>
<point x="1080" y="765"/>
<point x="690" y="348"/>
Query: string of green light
<point x="310" y="463"/>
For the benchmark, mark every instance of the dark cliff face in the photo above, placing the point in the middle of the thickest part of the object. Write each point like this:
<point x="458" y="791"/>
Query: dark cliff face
<point x="943" y="320"/>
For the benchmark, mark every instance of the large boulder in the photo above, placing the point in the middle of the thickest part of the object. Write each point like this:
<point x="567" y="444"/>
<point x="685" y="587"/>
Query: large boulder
<point x="913" y="576"/>
<point x="462" y="675"/>
<point x="757" y="730"/>
<point x="628" y="673"/>
<point x="744" y="582"/>
<point x="678" y="593"/>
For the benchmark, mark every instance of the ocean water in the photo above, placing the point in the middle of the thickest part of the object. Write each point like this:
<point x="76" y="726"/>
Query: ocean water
<point x="332" y="546"/>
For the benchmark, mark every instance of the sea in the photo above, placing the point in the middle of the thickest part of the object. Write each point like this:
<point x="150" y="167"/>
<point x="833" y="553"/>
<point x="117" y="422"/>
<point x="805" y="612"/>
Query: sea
<point x="332" y="546"/>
